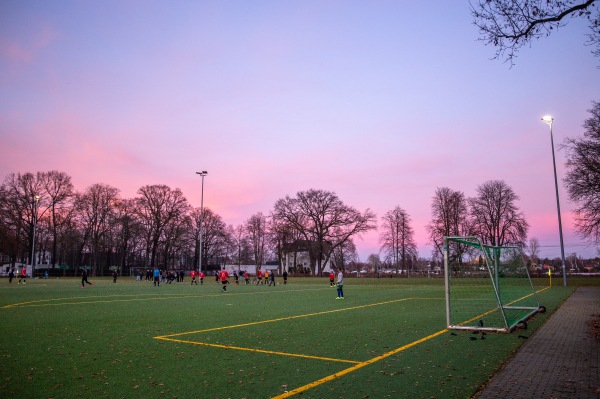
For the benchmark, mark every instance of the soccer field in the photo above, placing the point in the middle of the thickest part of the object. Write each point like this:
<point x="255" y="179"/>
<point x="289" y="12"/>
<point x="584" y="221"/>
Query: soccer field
<point x="387" y="339"/>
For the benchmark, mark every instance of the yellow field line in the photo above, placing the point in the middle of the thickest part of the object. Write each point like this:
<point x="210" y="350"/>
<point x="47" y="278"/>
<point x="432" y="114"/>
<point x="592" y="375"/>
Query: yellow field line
<point x="288" y="318"/>
<point x="356" y="367"/>
<point x="259" y="350"/>
<point x="368" y="362"/>
<point x="495" y="310"/>
<point x="169" y="337"/>
<point x="44" y="302"/>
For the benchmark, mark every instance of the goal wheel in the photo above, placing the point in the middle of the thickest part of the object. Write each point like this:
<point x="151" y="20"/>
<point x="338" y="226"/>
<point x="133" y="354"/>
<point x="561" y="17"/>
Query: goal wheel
<point x="542" y="309"/>
<point x="522" y="325"/>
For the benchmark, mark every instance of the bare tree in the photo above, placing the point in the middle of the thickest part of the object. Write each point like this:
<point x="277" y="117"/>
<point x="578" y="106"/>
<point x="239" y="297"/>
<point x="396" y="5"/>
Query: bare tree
<point x="215" y="238"/>
<point x="256" y="234"/>
<point x="574" y="261"/>
<point x="533" y="248"/>
<point x="321" y="217"/>
<point x="94" y="207"/>
<point x="126" y="228"/>
<point x="60" y="192"/>
<point x="344" y="254"/>
<point x="374" y="262"/>
<point x="449" y="217"/>
<point x="583" y="176"/>
<point x="25" y="202"/>
<point x="397" y="238"/>
<point x="241" y="250"/>
<point x="495" y="216"/>
<point x="157" y="206"/>
<point x="509" y="25"/>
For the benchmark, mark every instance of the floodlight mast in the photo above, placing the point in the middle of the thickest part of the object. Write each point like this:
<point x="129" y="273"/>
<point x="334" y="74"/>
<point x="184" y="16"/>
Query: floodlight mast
<point x="549" y="120"/>
<point x="36" y="200"/>
<point x="203" y="173"/>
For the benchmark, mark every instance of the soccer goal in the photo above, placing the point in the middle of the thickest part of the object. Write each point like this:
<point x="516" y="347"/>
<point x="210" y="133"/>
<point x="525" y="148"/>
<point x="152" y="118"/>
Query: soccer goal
<point x="488" y="288"/>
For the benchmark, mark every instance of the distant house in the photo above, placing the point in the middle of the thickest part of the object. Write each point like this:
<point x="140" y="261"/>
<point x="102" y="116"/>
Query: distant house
<point x="301" y="256"/>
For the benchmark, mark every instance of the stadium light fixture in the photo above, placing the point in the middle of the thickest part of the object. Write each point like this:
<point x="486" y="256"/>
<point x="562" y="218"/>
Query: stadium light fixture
<point x="203" y="173"/>
<point x="549" y="120"/>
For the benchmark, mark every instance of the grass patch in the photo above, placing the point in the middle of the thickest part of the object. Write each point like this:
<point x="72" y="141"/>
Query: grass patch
<point x="134" y="340"/>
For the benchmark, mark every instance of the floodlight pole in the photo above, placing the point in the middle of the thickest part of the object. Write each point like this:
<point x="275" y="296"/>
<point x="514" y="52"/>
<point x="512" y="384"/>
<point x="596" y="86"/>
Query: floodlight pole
<point x="203" y="173"/>
<point x="549" y="120"/>
<point x="36" y="199"/>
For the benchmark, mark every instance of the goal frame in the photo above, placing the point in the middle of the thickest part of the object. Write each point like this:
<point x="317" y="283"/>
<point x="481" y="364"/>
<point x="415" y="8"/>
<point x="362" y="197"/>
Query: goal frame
<point x="495" y="281"/>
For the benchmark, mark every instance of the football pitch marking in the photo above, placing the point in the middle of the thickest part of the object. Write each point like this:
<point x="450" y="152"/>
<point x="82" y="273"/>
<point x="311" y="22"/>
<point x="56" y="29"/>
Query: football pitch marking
<point x="149" y="297"/>
<point x="357" y="364"/>
<point x="376" y="359"/>
<point x="259" y="350"/>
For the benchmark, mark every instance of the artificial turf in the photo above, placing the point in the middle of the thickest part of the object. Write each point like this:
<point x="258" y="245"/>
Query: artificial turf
<point x="387" y="338"/>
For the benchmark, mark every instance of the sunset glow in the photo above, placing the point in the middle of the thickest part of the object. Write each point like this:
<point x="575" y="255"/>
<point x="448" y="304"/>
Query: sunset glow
<point x="379" y="102"/>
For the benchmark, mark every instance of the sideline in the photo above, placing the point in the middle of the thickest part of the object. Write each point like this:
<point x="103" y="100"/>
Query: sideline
<point x="46" y="302"/>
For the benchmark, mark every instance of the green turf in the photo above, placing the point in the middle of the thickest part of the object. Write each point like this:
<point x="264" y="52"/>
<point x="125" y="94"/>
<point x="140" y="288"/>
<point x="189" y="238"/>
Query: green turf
<point x="61" y="341"/>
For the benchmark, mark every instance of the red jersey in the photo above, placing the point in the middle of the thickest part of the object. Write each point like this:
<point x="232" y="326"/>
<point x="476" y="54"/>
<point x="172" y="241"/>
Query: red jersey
<point x="331" y="276"/>
<point x="201" y="275"/>
<point x="259" y="273"/>
<point x="223" y="274"/>
<point x="193" y="274"/>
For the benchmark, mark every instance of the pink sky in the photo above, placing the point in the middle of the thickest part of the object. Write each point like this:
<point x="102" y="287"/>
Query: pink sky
<point x="379" y="102"/>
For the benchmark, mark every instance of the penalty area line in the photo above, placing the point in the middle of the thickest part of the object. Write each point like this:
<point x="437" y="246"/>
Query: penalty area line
<point x="357" y="366"/>
<point x="239" y="348"/>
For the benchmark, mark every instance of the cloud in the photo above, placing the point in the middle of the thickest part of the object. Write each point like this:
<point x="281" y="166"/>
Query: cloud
<point x="20" y="52"/>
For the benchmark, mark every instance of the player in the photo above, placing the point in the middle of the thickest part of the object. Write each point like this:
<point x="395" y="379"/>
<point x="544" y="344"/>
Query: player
<point x="201" y="274"/>
<point x="340" y="285"/>
<point x="193" y="275"/>
<point x="272" y="278"/>
<point x="23" y="276"/>
<point x="156" y="275"/>
<point x="84" y="276"/>
<point x="331" y="278"/>
<point x="223" y="275"/>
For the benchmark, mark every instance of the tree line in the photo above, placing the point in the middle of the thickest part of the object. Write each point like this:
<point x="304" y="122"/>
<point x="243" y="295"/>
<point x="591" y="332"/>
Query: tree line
<point x="100" y="229"/>
<point x="44" y="217"/>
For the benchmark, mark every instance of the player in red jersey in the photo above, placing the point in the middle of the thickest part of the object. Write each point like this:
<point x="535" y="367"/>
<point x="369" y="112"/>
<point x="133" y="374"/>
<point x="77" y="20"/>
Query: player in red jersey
<point x="223" y="275"/>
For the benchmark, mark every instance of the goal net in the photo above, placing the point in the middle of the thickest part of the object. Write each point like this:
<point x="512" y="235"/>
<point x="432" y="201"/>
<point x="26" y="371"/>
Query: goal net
<point x="488" y="288"/>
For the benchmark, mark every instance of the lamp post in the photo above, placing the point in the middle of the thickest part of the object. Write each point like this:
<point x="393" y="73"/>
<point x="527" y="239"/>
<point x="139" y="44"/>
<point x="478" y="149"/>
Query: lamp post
<point x="203" y="173"/>
<point x="36" y="199"/>
<point x="548" y="119"/>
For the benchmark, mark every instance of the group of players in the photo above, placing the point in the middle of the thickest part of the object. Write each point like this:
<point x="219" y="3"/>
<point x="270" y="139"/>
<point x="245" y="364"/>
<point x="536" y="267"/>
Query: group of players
<point x="222" y="276"/>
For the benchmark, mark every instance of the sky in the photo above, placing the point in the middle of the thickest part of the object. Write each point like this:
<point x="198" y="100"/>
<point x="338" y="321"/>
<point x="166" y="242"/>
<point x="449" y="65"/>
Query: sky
<point x="381" y="102"/>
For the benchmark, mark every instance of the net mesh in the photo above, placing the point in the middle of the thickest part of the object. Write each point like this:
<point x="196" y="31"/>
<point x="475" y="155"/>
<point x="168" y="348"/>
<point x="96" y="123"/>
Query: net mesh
<point x="487" y="287"/>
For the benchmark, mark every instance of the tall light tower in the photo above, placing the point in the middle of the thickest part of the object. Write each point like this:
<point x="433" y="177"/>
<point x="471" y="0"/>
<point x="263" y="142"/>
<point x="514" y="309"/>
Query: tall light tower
<point x="203" y="173"/>
<point x="36" y="200"/>
<point x="549" y="120"/>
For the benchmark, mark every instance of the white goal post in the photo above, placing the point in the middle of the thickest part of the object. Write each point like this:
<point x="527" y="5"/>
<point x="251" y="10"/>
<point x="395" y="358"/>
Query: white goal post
<point x="488" y="288"/>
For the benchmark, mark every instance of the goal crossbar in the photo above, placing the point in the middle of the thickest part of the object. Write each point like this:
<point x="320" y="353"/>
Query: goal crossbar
<point x="488" y="288"/>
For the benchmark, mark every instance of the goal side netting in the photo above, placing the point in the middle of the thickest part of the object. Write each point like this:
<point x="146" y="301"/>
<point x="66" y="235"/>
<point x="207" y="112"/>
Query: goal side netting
<point x="488" y="288"/>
